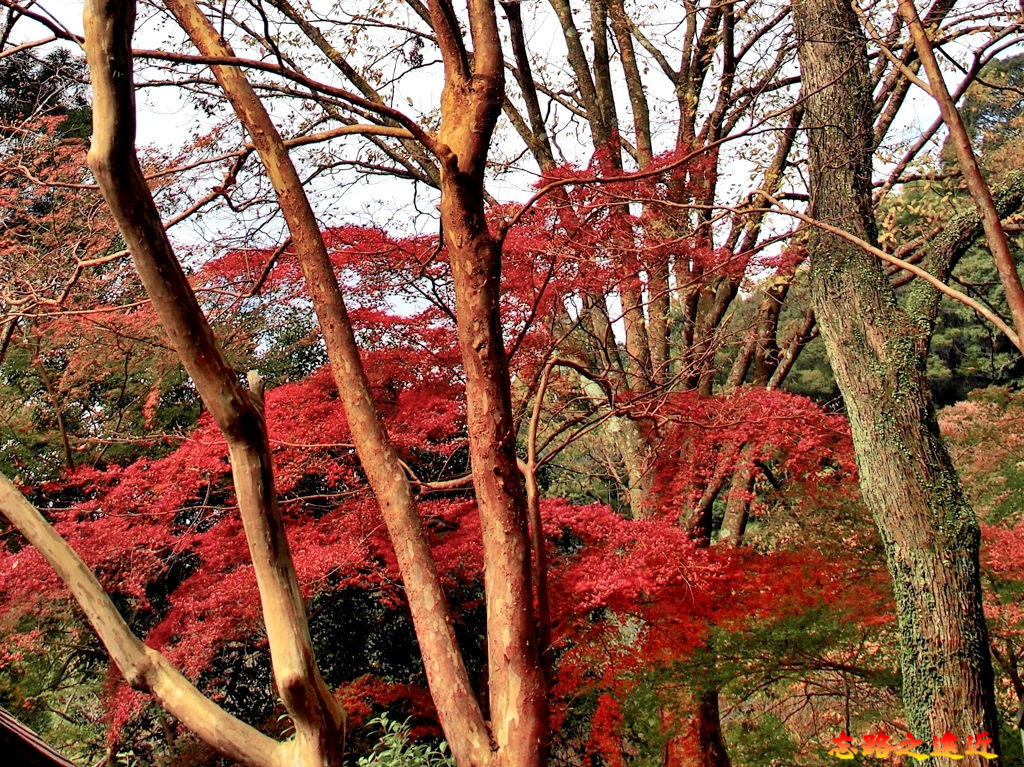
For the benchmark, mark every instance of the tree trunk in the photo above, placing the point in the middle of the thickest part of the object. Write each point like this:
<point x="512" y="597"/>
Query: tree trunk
<point x="737" y="507"/>
<point x="709" y="749"/>
<point x="709" y="732"/>
<point x="700" y="521"/>
<point x="518" y="700"/>
<point x="657" y="327"/>
<point x="458" y="712"/>
<point x="877" y="351"/>
<point x="470" y="104"/>
<point x="238" y="413"/>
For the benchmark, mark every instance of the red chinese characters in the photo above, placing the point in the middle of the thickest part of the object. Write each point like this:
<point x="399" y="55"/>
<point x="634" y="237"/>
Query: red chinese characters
<point x="907" y="746"/>
<point x="946" y="745"/>
<point x="879" y="745"/>
<point x="844" y="747"/>
<point x="978" y="745"/>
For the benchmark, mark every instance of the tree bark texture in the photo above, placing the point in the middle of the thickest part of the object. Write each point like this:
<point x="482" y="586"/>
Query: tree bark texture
<point x="458" y="710"/>
<point x="877" y="351"/>
<point x="470" y="104"/>
<point x="737" y="506"/>
<point x="518" y="702"/>
<point x="319" y="722"/>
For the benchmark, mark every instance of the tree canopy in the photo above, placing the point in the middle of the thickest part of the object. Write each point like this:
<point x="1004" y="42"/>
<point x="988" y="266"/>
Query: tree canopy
<point x="513" y="465"/>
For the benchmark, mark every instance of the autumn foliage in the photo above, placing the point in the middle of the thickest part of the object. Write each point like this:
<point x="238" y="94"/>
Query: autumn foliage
<point x="633" y="599"/>
<point x="646" y="614"/>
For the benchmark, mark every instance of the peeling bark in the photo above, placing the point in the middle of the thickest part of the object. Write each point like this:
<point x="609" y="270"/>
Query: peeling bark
<point x="470" y="104"/>
<point x="458" y="710"/>
<point x="319" y="722"/>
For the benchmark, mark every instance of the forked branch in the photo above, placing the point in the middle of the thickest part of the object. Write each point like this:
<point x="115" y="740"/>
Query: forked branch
<point x="143" y="667"/>
<point x="318" y="719"/>
<point x="453" y="695"/>
<point x="917" y="271"/>
<point x="995" y="237"/>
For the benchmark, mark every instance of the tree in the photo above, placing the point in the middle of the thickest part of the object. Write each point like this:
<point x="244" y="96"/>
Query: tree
<point x="639" y="219"/>
<point x="78" y="333"/>
<point x="516" y="682"/>
<point x="632" y="600"/>
<point x="987" y="474"/>
<point x="877" y="350"/>
<point x="965" y="354"/>
<point x="33" y="88"/>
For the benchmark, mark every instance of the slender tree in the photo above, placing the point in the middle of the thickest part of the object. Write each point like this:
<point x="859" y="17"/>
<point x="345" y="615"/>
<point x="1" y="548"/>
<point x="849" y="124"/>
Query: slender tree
<point x="517" y="734"/>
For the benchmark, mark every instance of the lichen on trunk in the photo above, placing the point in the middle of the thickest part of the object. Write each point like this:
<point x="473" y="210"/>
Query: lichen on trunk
<point x="877" y="351"/>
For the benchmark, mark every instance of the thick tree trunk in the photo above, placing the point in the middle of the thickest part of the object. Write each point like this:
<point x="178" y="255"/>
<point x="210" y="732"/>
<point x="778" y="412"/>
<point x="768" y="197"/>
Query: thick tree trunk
<point x="638" y="354"/>
<point x="517" y="687"/>
<point x="700" y="522"/>
<point x="470" y="104"/>
<point x="877" y="350"/>
<point x="658" y="326"/>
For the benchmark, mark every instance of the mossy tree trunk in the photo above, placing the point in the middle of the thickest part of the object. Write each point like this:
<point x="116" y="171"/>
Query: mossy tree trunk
<point x="877" y="350"/>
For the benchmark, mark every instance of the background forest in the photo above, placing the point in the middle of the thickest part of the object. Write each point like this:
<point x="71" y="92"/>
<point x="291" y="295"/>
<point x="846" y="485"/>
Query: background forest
<point x="566" y="477"/>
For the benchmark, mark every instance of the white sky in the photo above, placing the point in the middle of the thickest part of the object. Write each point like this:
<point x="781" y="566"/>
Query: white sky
<point x="166" y="120"/>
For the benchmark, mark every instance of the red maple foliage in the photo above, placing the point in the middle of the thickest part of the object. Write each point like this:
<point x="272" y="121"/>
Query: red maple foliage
<point x="706" y="436"/>
<point x="630" y="596"/>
